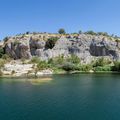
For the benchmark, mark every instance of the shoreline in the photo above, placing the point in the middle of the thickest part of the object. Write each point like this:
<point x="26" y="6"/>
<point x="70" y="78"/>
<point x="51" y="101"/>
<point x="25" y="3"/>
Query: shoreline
<point x="50" y="75"/>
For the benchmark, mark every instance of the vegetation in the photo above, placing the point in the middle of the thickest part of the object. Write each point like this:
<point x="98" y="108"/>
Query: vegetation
<point x="63" y="63"/>
<point x="69" y="66"/>
<point x="1" y="52"/>
<point x="41" y="65"/>
<point x="74" y="59"/>
<point x="34" y="60"/>
<point x="91" y="32"/>
<point x="103" y="33"/>
<point x="6" y="39"/>
<point x="73" y="63"/>
<point x="80" y="32"/>
<point x="101" y="62"/>
<point x="6" y="58"/>
<point x="116" y="66"/>
<point x="2" y="62"/>
<point x="51" y="42"/>
<point x="61" y="31"/>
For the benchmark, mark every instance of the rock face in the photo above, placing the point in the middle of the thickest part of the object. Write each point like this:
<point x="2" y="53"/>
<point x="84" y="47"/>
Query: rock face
<point x="86" y="47"/>
<point x="17" y="69"/>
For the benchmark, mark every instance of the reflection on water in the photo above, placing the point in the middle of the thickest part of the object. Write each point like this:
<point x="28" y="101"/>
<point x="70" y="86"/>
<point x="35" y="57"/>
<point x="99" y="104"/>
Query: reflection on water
<point x="33" y="81"/>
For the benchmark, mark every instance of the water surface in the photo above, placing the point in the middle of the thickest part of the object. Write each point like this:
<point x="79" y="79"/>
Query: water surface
<point x="66" y="97"/>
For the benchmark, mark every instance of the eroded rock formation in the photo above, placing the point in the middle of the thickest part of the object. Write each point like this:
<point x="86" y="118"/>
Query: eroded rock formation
<point x="86" y="47"/>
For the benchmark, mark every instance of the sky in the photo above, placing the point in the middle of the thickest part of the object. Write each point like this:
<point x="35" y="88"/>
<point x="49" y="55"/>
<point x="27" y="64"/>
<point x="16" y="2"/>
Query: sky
<point x="20" y="16"/>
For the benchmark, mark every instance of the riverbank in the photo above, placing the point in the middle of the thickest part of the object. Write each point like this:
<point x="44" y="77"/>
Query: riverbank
<point x="71" y="65"/>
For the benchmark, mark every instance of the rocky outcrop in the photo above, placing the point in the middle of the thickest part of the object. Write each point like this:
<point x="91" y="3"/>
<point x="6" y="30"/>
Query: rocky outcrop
<point x="17" y="69"/>
<point x="104" y="48"/>
<point x="86" y="47"/>
<point x="17" y="51"/>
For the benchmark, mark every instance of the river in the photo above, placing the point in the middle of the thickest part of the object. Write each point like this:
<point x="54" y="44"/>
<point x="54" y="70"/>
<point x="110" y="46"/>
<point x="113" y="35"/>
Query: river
<point x="66" y="97"/>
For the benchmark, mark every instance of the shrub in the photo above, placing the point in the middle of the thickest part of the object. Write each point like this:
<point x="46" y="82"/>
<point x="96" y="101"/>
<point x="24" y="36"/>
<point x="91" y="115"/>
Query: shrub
<point x="51" y="42"/>
<point x="101" y="62"/>
<point x="90" y="32"/>
<point x="86" y="68"/>
<point x="61" y="31"/>
<point x="6" y="57"/>
<point x="35" y="60"/>
<point x="13" y="72"/>
<point x="23" y="60"/>
<point x="2" y="62"/>
<point x="103" y="33"/>
<point x="1" y="52"/>
<point x="57" y="61"/>
<point x="68" y="67"/>
<point x="42" y="65"/>
<point x="74" y="59"/>
<point x="27" y="32"/>
<point x="1" y="73"/>
<point x="16" y="43"/>
<point x="116" y="66"/>
<point x="6" y="39"/>
<point x="80" y="31"/>
<point x="103" y="68"/>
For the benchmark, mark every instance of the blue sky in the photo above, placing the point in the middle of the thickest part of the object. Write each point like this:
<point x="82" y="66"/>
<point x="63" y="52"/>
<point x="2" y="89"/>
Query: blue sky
<point x="19" y="16"/>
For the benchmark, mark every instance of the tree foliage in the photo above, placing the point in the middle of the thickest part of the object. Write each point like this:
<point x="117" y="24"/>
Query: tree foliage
<point x="61" y="31"/>
<point x="51" y="42"/>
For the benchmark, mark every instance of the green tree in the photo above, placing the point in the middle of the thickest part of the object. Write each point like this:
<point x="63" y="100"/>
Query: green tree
<point x="103" y="33"/>
<point x="27" y="32"/>
<point x="61" y="31"/>
<point x="80" y="31"/>
<point x="90" y="32"/>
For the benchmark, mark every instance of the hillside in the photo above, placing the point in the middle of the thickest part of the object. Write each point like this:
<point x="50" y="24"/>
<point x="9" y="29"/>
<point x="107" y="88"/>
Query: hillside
<point x="46" y="46"/>
<point x="44" y="53"/>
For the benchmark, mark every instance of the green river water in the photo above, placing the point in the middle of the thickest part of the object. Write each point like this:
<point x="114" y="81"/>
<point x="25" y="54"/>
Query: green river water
<point x="66" y="97"/>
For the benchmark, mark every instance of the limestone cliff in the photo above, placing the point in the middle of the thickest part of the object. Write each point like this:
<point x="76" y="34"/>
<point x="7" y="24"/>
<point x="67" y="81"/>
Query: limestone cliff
<point x="85" y="46"/>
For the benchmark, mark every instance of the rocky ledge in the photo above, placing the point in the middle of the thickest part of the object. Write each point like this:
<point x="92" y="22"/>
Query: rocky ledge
<point x="16" y="68"/>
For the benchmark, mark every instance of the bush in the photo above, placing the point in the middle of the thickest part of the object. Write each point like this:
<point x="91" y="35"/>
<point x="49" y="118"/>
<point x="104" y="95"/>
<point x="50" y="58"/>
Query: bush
<point x="116" y="66"/>
<point x="74" y="59"/>
<point x="69" y="67"/>
<point x="61" y="31"/>
<point x="101" y="62"/>
<point x="103" y="33"/>
<point x="57" y="61"/>
<point x="42" y="65"/>
<point x="51" y="42"/>
<point x="104" y="68"/>
<point x="13" y="72"/>
<point x="6" y="57"/>
<point x="1" y="52"/>
<point x="2" y="62"/>
<point x="80" y="32"/>
<point x="35" y="60"/>
<point x="27" y="32"/>
<point x="23" y="60"/>
<point x="6" y="39"/>
<point x="1" y="73"/>
<point x="91" y="32"/>
<point x="86" y="68"/>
